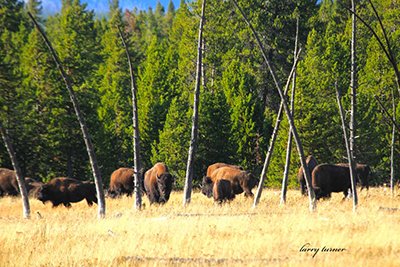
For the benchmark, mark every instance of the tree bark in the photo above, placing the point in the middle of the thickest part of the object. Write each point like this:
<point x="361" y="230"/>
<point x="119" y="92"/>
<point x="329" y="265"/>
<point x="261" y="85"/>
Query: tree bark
<point x="353" y="84"/>
<point x="289" y="117"/>
<point x="136" y="144"/>
<point x="290" y="138"/>
<point x="346" y="140"/>
<point x="20" y="178"/>
<point x="392" y="147"/>
<point x="86" y="136"/>
<point x="192" y="149"/>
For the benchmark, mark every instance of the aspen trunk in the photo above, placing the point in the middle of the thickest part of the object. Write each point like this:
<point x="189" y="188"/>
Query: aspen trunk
<point x="392" y="147"/>
<point x="290" y="119"/>
<point x="346" y="140"/>
<point x="353" y="84"/>
<point x="18" y="174"/>
<point x="137" y="178"/>
<point x="192" y="149"/>
<point x="96" y="173"/>
<point x="290" y="138"/>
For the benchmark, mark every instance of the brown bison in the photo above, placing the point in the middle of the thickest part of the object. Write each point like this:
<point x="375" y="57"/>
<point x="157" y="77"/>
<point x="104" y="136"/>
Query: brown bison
<point x="311" y="164"/>
<point x="9" y="184"/>
<point x="64" y="190"/>
<point x="222" y="191"/>
<point x="241" y="181"/>
<point x="363" y="174"/>
<point x="158" y="183"/>
<point x="217" y="165"/>
<point x="122" y="181"/>
<point x="33" y="186"/>
<point x="328" y="178"/>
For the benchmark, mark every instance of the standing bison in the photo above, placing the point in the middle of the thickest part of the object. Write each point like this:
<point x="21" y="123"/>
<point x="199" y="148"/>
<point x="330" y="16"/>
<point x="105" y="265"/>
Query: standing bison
<point x="241" y="181"/>
<point x="217" y="165"/>
<point x="9" y="184"/>
<point x="122" y="181"/>
<point x="311" y="164"/>
<point x="328" y="178"/>
<point x="63" y="190"/>
<point x="158" y="183"/>
<point x="222" y="191"/>
<point x="363" y="174"/>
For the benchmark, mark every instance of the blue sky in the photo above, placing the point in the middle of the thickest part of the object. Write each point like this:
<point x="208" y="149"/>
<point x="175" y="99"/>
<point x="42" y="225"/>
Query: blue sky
<point x="102" y="5"/>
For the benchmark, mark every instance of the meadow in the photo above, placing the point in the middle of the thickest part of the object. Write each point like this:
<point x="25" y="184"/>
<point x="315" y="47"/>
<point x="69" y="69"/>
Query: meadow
<point x="204" y="233"/>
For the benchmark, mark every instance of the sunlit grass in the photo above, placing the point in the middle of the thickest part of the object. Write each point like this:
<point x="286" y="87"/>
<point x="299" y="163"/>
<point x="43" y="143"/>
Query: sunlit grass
<point x="204" y="233"/>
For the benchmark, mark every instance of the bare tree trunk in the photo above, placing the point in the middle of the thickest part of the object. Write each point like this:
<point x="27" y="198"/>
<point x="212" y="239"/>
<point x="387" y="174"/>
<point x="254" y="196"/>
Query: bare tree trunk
<point x="392" y="147"/>
<point x="20" y="178"/>
<point x="353" y="84"/>
<point x="290" y="119"/>
<point x="346" y="140"/>
<point x="189" y="171"/>
<point x="290" y="138"/>
<point x="86" y="136"/>
<point x="137" y="178"/>
<point x="388" y="116"/>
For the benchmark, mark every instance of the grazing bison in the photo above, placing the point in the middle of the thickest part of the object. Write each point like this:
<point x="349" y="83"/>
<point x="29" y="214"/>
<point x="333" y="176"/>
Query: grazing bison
<point x="122" y="182"/>
<point x="311" y="164"/>
<point x="363" y="174"/>
<point x="158" y="183"/>
<point x="222" y="191"/>
<point x="241" y="181"/>
<point x="63" y="190"/>
<point x="217" y="165"/>
<point x="328" y="178"/>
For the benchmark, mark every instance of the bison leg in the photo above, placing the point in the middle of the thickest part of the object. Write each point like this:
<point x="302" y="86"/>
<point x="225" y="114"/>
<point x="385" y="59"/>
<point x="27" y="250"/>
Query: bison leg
<point x="67" y="204"/>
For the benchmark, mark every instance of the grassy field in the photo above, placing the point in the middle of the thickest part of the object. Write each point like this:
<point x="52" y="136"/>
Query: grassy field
<point x="204" y="233"/>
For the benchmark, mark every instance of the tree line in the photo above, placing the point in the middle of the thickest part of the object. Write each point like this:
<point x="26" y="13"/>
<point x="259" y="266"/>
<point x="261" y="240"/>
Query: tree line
<point x="238" y="100"/>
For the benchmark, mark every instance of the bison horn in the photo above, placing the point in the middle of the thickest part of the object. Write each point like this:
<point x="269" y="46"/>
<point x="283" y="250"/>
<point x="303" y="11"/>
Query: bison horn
<point x="158" y="177"/>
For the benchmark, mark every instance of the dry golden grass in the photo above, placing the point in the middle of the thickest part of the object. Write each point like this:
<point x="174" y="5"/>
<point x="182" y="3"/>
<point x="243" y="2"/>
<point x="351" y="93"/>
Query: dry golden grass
<point x="204" y="233"/>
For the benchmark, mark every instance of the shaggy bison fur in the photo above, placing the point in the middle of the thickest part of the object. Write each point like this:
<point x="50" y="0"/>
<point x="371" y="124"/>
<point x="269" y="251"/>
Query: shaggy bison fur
<point x="217" y="165"/>
<point x="122" y="182"/>
<point x="158" y="183"/>
<point x="363" y="174"/>
<point x="222" y="191"/>
<point x="328" y="178"/>
<point x="241" y="181"/>
<point x="64" y="190"/>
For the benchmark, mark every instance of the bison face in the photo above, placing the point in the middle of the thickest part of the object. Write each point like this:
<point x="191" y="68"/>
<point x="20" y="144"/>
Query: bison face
<point x="43" y="194"/>
<point x="207" y="186"/>
<point x="251" y="181"/>
<point x="164" y="184"/>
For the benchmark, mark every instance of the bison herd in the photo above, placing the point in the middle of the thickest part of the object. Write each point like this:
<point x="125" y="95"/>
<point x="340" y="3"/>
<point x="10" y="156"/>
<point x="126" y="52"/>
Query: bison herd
<point x="221" y="182"/>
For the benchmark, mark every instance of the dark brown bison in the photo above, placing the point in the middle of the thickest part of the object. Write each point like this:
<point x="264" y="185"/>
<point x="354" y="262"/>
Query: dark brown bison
<point x="222" y="191"/>
<point x="158" y="183"/>
<point x="241" y="181"/>
<point x="33" y="186"/>
<point x="328" y="178"/>
<point x="122" y="182"/>
<point x="217" y="165"/>
<point x="363" y="174"/>
<point x="64" y="190"/>
<point x="311" y="164"/>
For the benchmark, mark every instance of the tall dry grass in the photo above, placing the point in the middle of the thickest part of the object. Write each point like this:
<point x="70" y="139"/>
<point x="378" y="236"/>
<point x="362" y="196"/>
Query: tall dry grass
<point x="204" y="233"/>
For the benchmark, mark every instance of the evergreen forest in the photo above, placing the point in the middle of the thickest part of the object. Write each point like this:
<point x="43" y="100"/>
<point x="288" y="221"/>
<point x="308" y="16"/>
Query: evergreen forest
<point x="238" y="98"/>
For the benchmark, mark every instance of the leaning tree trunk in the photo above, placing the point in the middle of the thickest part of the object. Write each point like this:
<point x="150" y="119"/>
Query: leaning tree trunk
<point x="189" y="170"/>
<point x="289" y="118"/>
<point x="86" y="136"/>
<point x="20" y="178"/>
<point x="392" y="147"/>
<point x="290" y="138"/>
<point x="138" y="193"/>
<point x="353" y="84"/>
<point x="346" y="140"/>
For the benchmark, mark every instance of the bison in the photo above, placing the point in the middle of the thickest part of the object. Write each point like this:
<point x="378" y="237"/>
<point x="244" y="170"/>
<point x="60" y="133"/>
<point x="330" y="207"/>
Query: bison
<point x="222" y="191"/>
<point x="363" y="174"/>
<point x="33" y="186"/>
<point x="328" y="178"/>
<point x="158" y="183"/>
<point x="217" y="165"/>
<point x="241" y="181"/>
<point x="311" y="164"/>
<point x="62" y="190"/>
<point x="9" y="184"/>
<point x="122" y="182"/>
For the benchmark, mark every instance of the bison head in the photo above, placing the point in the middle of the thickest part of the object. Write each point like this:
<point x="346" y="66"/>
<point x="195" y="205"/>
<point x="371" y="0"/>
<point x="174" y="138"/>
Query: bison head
<point x="363" y="175"/>
<point x="164" y="184"/>
<point x="42" y="194"/>
<point x="207" y="186"/>
<point x="251" y="181"/>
